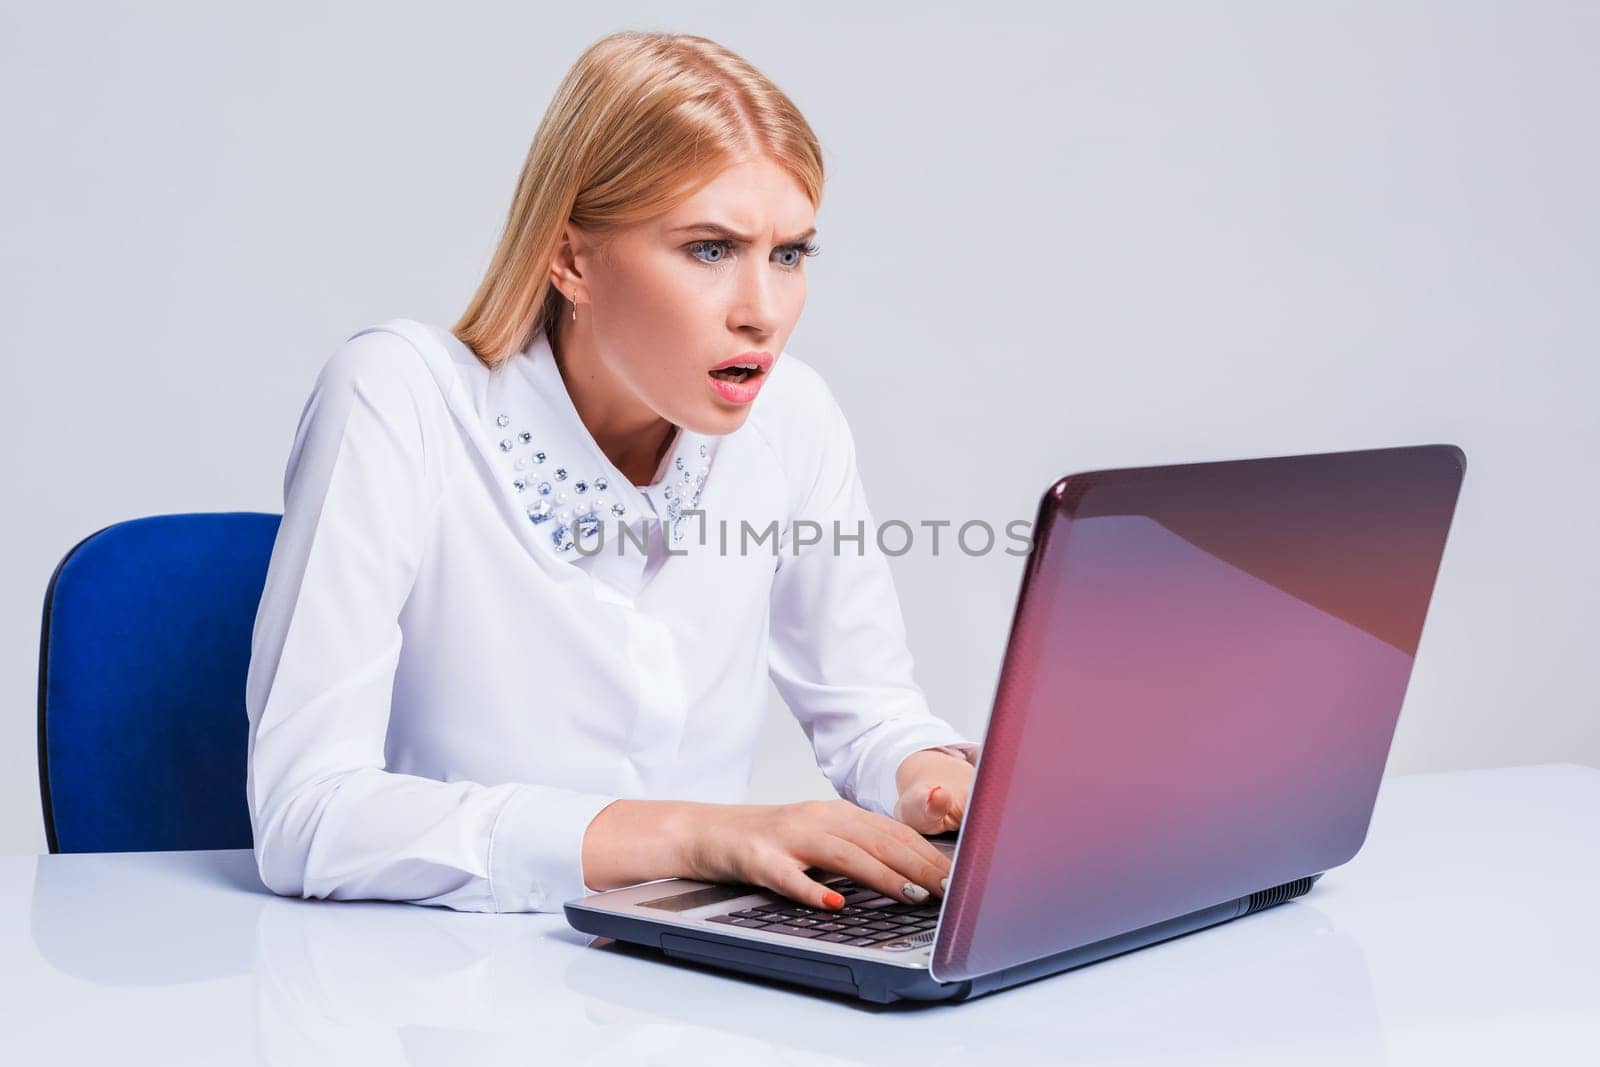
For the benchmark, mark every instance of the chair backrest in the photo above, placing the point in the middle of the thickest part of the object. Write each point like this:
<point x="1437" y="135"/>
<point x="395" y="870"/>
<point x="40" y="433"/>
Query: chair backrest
<point x="142" y="662"/>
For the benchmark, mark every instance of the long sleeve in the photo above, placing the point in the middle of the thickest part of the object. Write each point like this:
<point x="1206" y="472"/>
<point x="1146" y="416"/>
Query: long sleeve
<point x="839" y="656"/>
<point x="329" y="820"/>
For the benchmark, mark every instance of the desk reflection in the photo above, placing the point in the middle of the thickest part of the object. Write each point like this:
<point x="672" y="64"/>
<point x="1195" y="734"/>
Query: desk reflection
<point x="375" y="982"/>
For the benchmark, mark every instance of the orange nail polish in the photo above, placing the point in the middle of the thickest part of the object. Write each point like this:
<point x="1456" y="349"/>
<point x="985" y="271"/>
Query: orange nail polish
<point x="832" y="899"/>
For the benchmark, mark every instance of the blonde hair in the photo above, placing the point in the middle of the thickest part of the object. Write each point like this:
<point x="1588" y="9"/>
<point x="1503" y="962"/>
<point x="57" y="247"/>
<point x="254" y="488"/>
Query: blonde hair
<point x="640" y="122"/>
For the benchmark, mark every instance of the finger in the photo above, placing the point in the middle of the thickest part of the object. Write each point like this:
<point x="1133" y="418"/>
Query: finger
<point x="956" y="812"/>
<point x="850" y="858"/>
<point x="910" y="862"/>
<point x="943" y="809"/>
<point x="793" y="882"/>
<point x="914" y="808"/>
<point x="906" y="834"/>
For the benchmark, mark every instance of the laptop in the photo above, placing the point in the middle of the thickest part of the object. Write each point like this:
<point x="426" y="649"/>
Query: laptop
<point x="1204" y="671"/>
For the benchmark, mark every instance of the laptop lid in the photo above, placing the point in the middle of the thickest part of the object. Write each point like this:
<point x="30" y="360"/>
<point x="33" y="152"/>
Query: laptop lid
<point x="1204" y="672"/>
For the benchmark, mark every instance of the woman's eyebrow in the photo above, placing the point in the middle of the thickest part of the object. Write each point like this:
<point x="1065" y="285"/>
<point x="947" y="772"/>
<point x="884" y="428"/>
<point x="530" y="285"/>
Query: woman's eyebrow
<point x="731" y="235"/>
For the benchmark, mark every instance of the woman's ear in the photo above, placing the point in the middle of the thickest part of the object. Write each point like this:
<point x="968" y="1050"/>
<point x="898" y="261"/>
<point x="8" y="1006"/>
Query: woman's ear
<point x="566" y="265"/>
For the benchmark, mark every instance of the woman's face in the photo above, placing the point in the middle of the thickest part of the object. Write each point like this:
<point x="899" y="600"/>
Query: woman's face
<point x="676" y="296"/>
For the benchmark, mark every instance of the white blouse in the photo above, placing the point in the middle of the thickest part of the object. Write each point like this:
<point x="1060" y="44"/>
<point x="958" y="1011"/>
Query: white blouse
<point x="448" y="680"/>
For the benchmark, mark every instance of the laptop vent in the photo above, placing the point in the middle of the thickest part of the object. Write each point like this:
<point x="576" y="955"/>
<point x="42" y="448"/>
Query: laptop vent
<point x="1266" y="898"/>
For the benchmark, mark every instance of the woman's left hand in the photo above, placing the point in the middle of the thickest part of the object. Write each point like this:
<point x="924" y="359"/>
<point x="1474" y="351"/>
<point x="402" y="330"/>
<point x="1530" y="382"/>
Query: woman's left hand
<point x="934" y="787"/>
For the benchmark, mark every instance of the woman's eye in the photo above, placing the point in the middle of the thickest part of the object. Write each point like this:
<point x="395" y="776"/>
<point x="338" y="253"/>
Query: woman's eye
<point x="720" y="246"/>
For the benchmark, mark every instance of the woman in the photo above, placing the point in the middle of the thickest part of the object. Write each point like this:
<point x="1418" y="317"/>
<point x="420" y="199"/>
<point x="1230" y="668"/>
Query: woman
<point x="455" y="698"/>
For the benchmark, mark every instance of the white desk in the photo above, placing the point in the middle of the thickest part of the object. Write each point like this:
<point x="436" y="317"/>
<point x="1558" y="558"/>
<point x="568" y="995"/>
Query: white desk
<point x="1465" y="931"/>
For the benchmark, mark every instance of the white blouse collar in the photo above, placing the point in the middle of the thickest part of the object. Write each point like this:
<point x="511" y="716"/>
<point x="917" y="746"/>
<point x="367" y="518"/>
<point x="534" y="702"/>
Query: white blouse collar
<point x="562" y="478"/>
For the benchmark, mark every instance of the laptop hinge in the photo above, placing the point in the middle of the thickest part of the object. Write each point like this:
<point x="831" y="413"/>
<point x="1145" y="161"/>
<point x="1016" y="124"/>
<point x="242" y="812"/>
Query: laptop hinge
<point x="1266" y="898"/>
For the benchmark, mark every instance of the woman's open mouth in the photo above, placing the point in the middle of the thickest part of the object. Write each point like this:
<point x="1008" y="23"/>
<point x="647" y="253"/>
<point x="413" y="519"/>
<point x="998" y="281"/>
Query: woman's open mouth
<point x="738" y="380"/>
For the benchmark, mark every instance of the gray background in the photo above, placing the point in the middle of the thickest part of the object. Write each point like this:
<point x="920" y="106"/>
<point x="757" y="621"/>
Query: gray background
<point x="1132" y="234"/>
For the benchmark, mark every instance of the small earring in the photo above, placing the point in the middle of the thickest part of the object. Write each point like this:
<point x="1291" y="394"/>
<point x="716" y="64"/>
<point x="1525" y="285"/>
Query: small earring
<point x="574" y="307"/>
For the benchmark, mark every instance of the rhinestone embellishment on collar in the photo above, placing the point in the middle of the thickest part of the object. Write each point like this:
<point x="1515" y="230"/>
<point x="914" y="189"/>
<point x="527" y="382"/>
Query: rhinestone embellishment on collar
<point x="581" y="513"/>
<point x="674" y="493"/>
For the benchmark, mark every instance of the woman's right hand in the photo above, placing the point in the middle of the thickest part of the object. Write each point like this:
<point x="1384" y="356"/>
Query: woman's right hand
<point x="775" y="845"/>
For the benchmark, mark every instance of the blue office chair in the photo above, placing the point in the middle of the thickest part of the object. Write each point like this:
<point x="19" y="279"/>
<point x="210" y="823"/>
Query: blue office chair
<point x="142" y="662"/>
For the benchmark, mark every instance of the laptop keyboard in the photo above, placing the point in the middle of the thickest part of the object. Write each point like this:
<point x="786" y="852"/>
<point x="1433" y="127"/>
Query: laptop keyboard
<point x="867" y="918"/>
